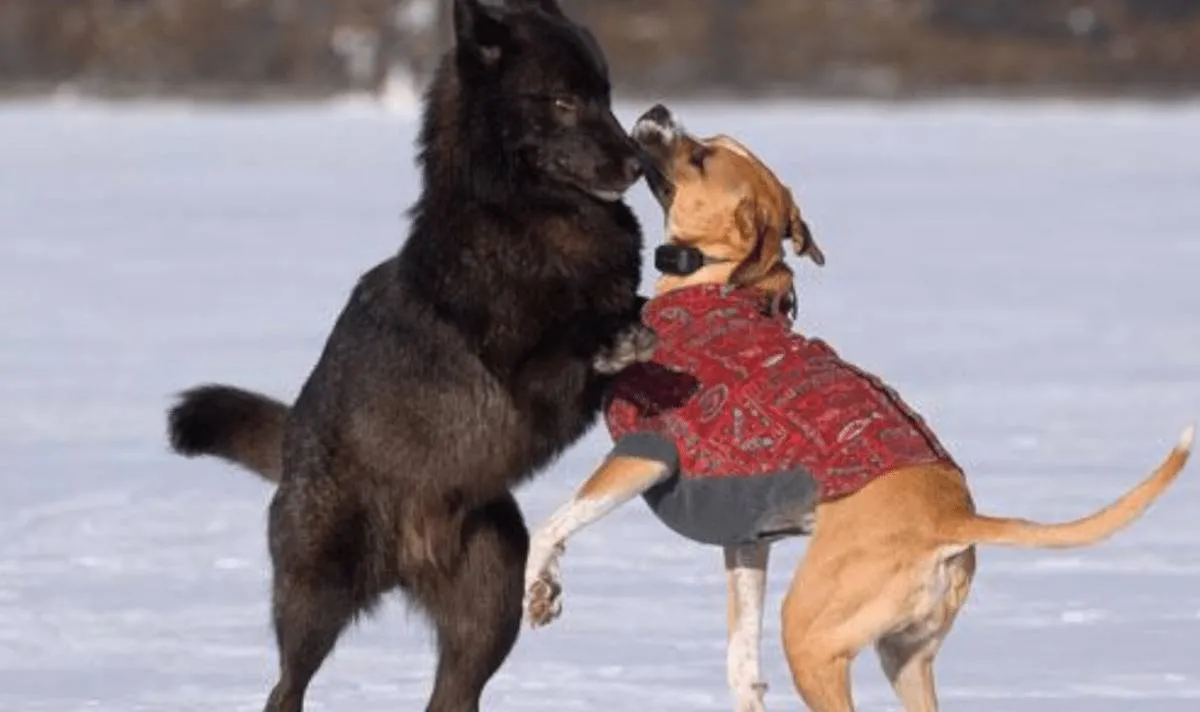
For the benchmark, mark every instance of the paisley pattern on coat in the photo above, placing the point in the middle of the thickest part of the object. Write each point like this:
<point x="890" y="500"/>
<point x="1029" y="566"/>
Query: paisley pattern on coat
<point x="735" y="395"/>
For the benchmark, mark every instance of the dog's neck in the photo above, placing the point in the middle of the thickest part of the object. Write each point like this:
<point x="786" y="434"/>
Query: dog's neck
<point x="720" y="273"/>
<point x="713" y="270"/>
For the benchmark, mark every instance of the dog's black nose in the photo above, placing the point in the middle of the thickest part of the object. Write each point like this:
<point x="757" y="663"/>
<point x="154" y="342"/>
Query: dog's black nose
<point x="657" y="114"/>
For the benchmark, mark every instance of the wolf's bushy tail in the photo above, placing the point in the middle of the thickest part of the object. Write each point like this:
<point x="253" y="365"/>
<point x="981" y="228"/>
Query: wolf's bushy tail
<point x="242" y="427"/>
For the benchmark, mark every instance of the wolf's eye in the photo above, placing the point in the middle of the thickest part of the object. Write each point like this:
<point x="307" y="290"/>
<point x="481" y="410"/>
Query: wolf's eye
<point x="565" y="104"/>
<point x="699" y="153"/>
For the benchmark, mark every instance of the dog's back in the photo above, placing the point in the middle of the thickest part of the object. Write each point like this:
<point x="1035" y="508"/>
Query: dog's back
<point x="760" y="423"/>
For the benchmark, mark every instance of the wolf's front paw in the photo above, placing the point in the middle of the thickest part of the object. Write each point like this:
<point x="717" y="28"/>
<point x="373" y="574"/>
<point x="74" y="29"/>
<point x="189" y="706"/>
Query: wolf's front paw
<point x="635" y="344"/>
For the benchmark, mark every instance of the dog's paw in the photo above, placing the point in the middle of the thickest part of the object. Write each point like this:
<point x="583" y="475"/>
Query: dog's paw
<point x="635" y="344"/>
<point x="752" y="698"/>
<point x="543" y="587"/>
<point x="543" y="601"/>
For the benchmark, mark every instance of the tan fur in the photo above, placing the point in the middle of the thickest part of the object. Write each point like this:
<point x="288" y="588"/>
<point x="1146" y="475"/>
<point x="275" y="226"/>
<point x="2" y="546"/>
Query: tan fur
<point x="733" y="207"/>
<point x="890" y="565"/>
<point x="619" y="472"/>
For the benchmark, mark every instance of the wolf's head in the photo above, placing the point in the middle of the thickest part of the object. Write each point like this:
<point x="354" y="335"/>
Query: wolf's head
<point x="523" y="103"/>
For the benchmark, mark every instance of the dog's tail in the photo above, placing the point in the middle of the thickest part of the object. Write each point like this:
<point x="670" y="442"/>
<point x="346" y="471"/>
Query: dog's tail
<point x="1082" y="532"/>
<point x="236" y="425"/>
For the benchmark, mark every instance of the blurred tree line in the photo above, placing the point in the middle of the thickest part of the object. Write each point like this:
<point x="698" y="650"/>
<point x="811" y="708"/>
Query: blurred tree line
<point x="252" y="48"/>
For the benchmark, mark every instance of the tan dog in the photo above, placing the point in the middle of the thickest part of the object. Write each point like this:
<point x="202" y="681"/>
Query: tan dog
<point x="889" y="565"/>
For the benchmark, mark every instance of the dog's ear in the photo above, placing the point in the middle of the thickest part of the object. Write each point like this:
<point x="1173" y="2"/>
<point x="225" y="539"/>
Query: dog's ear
<point x="800" y="234"/>
<point x="766" y="254"/>
<point x="549" y="7"/>
<point x="479" y="35"/>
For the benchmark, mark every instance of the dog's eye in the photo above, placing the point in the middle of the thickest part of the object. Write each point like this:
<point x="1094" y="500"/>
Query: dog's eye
<point x="566" y="104"/>
<point x="699" y="153"/>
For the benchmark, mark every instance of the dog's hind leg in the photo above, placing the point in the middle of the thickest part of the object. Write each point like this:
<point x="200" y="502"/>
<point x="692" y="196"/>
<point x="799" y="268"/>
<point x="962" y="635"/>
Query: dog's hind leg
<point x="746" y="568"/>
<point x="476" y="608"/>
<point x="907" y="655"/>
<point x="854" y="586"/>
<point x="823" y="626"/>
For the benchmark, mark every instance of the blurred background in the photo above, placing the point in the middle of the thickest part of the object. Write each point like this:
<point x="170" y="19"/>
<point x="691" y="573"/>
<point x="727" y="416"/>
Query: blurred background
<point x="1023" y="269"/>
<point x="875" y="48"/>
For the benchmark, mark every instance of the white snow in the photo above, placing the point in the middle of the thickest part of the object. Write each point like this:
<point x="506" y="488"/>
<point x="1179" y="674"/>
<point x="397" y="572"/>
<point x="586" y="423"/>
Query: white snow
<point x="1025" y="275"/>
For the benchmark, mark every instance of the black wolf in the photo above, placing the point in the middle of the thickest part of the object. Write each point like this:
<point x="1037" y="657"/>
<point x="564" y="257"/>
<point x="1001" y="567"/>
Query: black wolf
<point x="458" y="368"/>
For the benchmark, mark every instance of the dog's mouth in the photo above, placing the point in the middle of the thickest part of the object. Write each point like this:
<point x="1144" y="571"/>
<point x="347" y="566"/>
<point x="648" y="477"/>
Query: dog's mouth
<point x="657" y="132"/>
<point x="661" y="186"/>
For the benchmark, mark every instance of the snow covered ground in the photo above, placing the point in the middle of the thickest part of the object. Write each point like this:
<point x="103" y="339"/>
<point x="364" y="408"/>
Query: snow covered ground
<point x="1025" y="275"/>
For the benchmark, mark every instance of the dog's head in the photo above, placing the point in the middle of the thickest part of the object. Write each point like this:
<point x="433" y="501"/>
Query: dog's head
<point x="721" y="199"/>
<point x="537" y="85"/>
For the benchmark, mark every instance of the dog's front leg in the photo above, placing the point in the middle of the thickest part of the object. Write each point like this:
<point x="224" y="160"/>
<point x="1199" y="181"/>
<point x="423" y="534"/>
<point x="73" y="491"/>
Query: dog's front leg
<point x="617" y="481"/>
<point x="746" y="569"/>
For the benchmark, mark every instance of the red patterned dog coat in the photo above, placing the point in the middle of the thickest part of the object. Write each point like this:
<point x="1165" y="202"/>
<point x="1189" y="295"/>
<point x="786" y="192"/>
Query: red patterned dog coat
<point x="758" y="423"/>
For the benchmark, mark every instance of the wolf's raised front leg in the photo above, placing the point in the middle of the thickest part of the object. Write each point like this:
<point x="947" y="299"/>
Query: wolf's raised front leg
<point x="746" y="569"/>
<point x="633" y="344"/>
<point x="617" y="481"/>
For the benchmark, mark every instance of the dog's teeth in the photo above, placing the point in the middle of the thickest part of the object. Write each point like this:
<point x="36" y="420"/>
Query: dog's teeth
<point x="1188" y="438"/>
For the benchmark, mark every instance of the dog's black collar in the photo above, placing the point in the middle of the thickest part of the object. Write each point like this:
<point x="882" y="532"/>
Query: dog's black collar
<point x="682" y="260"/>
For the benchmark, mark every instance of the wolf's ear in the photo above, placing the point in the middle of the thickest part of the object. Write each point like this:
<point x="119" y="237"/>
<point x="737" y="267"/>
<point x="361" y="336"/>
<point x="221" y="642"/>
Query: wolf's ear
<point x="478" y="34"/>
<point x="547" y="6"/>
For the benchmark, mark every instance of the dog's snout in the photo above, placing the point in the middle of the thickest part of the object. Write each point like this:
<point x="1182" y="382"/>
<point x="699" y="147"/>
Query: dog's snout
<point x="632" y="168"/>
<point x="658" y="115"/>
<point x="655" y="128"/>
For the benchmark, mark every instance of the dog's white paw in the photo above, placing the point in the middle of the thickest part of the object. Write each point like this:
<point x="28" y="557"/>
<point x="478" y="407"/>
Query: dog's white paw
<point x="543" y="585"/>
<point x="543" y="601"/>
<point x="752" y="698"/>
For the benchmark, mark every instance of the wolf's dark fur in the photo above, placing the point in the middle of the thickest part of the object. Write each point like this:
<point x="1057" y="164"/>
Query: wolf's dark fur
<point x="458" y="368"/>
<point x="230" y="423"/>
